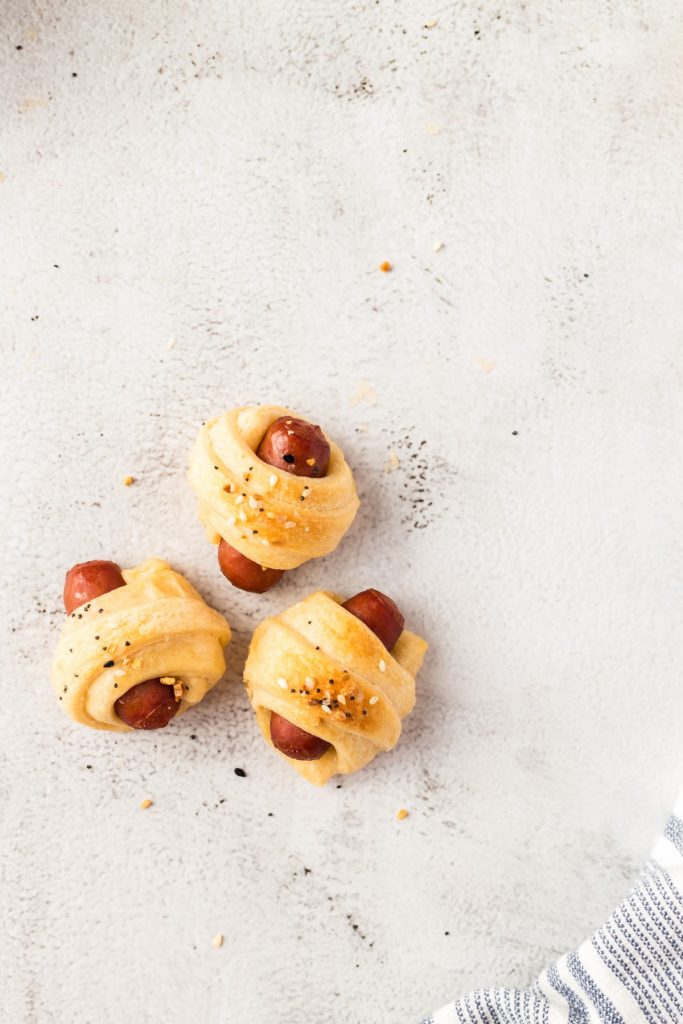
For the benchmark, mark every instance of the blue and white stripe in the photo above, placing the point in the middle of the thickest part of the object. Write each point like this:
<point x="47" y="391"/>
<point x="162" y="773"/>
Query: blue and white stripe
<point x="629" y="972"/>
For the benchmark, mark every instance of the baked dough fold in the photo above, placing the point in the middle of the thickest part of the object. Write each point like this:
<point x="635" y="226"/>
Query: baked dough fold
<point x="272" y="517"/>
<point x="320" y="667"/>
<point x="157" y="626"/>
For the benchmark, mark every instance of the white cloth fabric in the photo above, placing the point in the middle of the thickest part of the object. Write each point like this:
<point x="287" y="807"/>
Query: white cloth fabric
<point x="629" y="972"/>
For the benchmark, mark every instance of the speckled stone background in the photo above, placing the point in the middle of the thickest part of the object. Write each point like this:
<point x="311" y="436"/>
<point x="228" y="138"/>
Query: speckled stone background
<point x="194" y="202"/>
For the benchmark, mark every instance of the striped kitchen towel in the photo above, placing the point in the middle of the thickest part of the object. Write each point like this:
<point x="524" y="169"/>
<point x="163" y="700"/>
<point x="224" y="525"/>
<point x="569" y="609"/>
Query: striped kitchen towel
<point x="629" y="972"/>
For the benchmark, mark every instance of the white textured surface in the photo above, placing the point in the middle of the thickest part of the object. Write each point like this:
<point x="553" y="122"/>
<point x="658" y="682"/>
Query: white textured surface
<point x="229" y="176"/>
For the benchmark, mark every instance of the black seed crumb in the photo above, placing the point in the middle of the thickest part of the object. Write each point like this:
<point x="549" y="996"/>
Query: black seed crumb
<point x="100" y="610"/>
<point x="215" y="467"/>
<point x="270" y="814"/>
<point x="240" y="773"/>
<point x="116" y="686"/>
<point x="108" y="664"/>
<point x="352" y="697"/>
<point x="514" y="433"/>
<point x="317" y="647"/>
<point x="74" y="74"/>
<point x="364" y="711"/>
<point x="127" y="643"/>
<point x="88" y="766"/>
<point x="20" y="47"/>
<point x="97" y="636"/>
<point x="288" y="458"/>
<point x="339" y="786"/>
<point x="307" y="871"/>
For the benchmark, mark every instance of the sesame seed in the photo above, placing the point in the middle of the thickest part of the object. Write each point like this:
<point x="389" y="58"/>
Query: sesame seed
<point x="119" y="672"/>
<point x="309" y="682"/>
<point x="243" y="516"/>
<point x="289" y="525"/>
<point x="326" y="707"/>
<point x="270" y="515"/>
<point x="382" y="665"/>
<point x="272" y="480"/>
<point x="239" y="499"/>
<point x="253" y="503"/>
<point x="282" y="683"/>
<point x="341" y="698"/>
<point x="265" y="541"/>
<point x="217" y="941"/>
<point x="373" y="700"/>
<point x="231" y="521"/>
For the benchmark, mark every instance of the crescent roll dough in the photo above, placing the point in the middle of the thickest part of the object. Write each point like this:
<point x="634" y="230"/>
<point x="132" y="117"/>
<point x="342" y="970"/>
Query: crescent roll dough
<point x="270" y="516"/>
<point x="323" y="669"/>
<point x="156" y="626"/>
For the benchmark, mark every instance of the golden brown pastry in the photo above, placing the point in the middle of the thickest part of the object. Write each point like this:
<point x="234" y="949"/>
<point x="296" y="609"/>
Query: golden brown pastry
<point x="331" y="681"/>
<point x="138" y="647"/>
<point x="273" y="491"/>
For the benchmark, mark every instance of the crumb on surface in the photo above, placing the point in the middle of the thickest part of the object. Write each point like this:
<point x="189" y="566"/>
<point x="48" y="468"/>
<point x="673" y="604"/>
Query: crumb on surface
<point x="438" y="246"/>
<point x="128" y="480"/>
<point x="432" y="23"/>
<point x="217" y="940"/>
<point x="403" y="813"/>
<point x="145" y="804"/>
<point x="364" y="393"/>
<point x="392" y="463"/>
<point x="385" y="267"/>
<point x="487" y="365"/>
